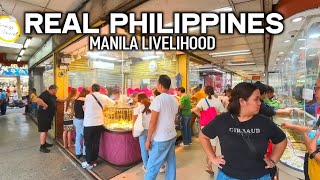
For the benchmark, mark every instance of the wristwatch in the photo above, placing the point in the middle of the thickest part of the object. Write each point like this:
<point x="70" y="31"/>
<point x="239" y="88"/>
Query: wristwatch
<point x="312" y="155"/>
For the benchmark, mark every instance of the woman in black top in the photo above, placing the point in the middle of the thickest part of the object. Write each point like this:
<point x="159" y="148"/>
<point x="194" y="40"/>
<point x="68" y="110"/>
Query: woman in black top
<point x="78" y="121"/>
<point x="244" y="137"/>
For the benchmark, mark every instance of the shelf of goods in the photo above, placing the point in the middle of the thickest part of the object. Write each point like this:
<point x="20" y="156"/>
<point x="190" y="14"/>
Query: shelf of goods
<point x="117" y="145"/>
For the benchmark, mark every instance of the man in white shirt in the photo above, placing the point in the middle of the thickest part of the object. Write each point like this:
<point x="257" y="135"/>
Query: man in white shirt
<point x="92" y="122"/>
<point x="162" y="134"/>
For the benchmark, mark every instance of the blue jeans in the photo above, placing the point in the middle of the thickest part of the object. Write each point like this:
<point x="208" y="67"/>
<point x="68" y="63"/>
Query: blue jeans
<point x="144" y="152"/>
<point x="222" y="176"/>
<point x="34" y="107"/>
<point x="78" y="123"/>
<point x="186" y="133"/>
<point x="159" y="153"/>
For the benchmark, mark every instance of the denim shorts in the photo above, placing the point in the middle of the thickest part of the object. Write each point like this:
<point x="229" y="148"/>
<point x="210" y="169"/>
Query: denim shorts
<point x="222" y="176"/>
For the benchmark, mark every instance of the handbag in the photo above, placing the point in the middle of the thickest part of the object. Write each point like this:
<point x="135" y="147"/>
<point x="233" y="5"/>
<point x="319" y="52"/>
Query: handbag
<point x="207" y="115"/>
<point x="138" y="127"/>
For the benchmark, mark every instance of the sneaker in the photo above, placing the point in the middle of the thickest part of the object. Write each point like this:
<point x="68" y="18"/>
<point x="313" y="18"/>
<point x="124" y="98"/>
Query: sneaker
<point x="44" y="150"/>
<point x="181" y="144"/>
<point x="48" y="144"/>
<point x="90" y="167"/>
<point x="85" y="165"/>
<point x="162" y="169"/>
<point x="144" y="168"/>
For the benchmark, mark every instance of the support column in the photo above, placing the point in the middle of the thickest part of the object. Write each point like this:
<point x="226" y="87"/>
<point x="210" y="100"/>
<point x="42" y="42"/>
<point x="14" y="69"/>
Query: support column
<point x="61" y="80"/>
<point x="183" y="70"/>
<point x="18" y="87"/>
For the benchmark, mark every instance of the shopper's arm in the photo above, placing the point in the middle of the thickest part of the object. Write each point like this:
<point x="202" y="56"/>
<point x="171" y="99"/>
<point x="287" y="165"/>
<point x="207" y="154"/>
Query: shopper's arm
<point x="197" y="111"/>
<point x="286" y="111"/>
<point x="152" y="127"/>
<point x="311" y="144"/>
<point x="300" y="129"/>
<point x="278" y="150"/>
<point x="41" y="103"/>
<point x="207" y="147"/>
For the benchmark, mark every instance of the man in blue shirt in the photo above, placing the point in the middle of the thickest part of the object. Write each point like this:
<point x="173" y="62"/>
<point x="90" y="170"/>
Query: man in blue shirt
<point x="3" y="102"/>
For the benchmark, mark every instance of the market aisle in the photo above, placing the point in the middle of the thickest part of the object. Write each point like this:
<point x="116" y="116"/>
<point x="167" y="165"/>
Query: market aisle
<point x="190" y="165"/>
<point x="19" y="152"/>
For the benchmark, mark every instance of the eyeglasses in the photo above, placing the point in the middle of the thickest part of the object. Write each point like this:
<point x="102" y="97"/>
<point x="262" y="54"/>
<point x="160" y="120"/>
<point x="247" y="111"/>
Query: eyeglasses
<point x="316" y="88"/>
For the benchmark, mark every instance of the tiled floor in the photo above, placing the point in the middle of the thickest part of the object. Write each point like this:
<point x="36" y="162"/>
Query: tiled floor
<point x="190" y="165"/>
<point x="20" y="157"/>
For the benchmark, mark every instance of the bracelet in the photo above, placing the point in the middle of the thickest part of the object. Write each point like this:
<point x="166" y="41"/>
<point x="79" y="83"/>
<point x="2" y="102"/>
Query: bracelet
<point x="312" y="155"/>
<point x="274" y="163"/>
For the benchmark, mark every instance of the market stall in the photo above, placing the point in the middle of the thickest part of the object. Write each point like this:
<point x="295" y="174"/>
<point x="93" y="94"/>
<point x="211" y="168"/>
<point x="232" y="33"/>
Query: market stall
<point x="117" y="145"/>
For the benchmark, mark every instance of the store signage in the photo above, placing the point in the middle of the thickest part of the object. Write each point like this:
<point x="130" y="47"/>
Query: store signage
<point x="256" y="78"/>
<point x="9" y="29"/>
<point x="13" y="70"/>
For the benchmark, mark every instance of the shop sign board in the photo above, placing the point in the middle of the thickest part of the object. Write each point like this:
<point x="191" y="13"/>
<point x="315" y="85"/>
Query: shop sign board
<point x="256" y="78"/>
<point x="13" y="70"/>
<point x="9" y="29"/>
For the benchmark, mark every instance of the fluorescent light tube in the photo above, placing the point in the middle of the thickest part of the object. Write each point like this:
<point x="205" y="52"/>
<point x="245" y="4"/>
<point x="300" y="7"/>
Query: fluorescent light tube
<point x="224" y="9"/>
<point x="230" y="52"/>
<point x="312" y="55"/>
<point x="11" y="45"/>
<point x="27" y="43"/>
<point x="314" y="36"/>
<point x="19" y="59"/>
<point x="22" y="52"/>
<point x="297" y="19"/>
<point x="150" y="57"/>
<point x="234" y="54"/>
<point x="240" y="64"/>
<point x="217" y="70"/>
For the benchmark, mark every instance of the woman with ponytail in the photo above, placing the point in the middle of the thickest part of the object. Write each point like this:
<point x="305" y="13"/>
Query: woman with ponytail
<point x="143" y="107"/>
<point x="211" y="101"/>
<point x="207" y="109"/>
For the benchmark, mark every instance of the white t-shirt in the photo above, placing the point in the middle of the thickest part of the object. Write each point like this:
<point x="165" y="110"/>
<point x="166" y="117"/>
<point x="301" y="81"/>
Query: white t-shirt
<point x="15" y="97"/>
<point x="145" y="117"/>
<point x="167" y="106"/>
<point x="93" y="114"/>
<point x="214" y="102"/>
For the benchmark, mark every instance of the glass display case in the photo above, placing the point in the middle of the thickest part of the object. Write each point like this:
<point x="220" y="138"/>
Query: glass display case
<point x="294" y="83"/>
<point x="118" y="118"/>
<point x="293" y="156"/>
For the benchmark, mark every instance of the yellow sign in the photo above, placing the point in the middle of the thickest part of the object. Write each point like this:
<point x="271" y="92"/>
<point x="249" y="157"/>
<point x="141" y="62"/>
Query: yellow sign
<point x="9" y="29"/>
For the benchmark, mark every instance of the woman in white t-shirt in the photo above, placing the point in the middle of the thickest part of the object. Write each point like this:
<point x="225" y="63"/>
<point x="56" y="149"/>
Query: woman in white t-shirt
<point x="212" y="100"/>
<point x="143" y="107"/>
<point x="203" y="105"/>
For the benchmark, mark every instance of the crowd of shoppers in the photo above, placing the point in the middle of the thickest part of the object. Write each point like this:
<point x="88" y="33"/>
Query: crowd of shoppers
<point x="242" y="125"/>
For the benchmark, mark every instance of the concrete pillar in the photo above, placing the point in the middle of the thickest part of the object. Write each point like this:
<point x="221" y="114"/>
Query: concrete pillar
<point x="18" y="87"/>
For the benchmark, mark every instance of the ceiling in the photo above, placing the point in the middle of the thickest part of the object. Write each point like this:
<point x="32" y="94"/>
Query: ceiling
<point x="17" y="8"/>
<point x="293" y="40"/>
<point x="233" y="42"/>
